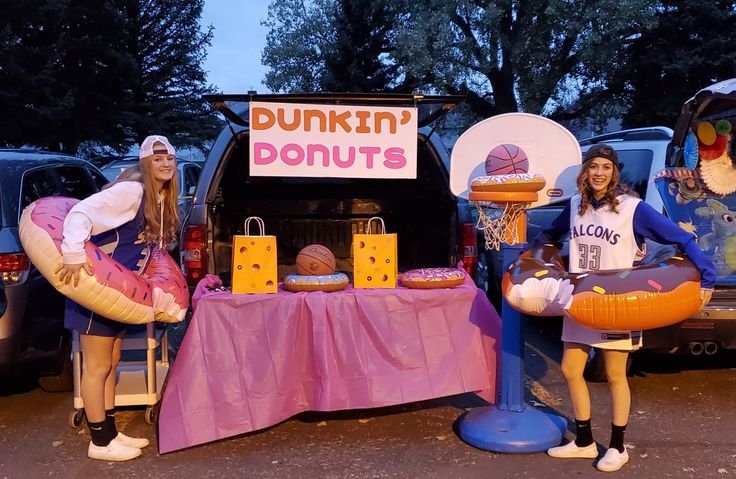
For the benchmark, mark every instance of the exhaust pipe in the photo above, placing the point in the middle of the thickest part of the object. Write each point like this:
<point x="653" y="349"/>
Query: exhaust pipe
<point x="696" y="348"/>
<point x="710" y="348"/>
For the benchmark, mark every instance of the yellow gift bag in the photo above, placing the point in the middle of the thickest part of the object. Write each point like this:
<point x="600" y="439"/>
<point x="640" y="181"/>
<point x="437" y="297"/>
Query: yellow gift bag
<point x="374" y="258"/>
<point x="255" y="264"/>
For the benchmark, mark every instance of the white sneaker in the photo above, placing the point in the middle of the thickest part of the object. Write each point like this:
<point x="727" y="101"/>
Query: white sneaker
<point x="613" y="460"/>
<point x="572" y="450"/>
<point x="137" y="442"/>
<point x="114" y="451"/>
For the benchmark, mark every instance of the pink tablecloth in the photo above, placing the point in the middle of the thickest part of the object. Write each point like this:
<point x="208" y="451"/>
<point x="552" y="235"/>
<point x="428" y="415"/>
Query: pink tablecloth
<point x="250" y="361"/>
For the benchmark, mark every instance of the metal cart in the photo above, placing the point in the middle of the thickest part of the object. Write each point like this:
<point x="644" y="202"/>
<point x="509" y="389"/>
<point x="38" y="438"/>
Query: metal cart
<point x="139" y="383"/>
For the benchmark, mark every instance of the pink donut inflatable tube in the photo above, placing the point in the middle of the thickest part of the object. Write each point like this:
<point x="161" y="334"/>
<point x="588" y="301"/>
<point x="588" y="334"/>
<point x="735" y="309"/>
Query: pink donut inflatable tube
<point x="113" y="291"/>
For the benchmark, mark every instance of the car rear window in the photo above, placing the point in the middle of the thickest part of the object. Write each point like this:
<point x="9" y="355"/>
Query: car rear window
<point x="635" y="167"/>
<point x="72" y="181"/>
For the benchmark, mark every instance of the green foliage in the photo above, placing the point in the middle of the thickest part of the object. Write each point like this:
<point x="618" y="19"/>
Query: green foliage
<point x="690" y="48"/>
<point x="75" y="73"/>
<point x="549" y="57"/>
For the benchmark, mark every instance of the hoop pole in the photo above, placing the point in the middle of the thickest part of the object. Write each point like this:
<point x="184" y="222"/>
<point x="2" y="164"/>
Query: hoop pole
<point x="511" y="425"/>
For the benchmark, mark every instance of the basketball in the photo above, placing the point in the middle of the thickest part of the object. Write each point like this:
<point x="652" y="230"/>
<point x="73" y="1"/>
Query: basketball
<point x="315" y="260"/>
<point x="506" y="159"/>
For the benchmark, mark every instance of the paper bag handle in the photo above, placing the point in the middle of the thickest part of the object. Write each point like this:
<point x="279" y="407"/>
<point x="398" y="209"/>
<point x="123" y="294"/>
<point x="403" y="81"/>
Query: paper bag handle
<point x="383" y="226"/>
<point x="259" y="222"/>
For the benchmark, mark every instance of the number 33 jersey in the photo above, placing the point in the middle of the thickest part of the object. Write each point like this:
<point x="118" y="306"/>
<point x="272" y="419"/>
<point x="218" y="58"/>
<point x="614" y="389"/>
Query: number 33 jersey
<point x="601" y="239"/>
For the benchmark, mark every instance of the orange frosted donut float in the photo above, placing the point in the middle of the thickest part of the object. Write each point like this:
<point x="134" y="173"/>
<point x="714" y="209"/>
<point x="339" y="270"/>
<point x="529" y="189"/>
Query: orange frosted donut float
<point x="644" y="297"/>
<point x="429" y="278"/>
<point x="115" y="292"/>
<point x="324" y="282"/>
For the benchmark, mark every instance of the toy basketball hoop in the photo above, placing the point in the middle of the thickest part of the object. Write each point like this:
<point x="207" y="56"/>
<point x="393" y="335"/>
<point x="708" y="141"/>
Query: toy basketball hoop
<point x="502" y="201"/>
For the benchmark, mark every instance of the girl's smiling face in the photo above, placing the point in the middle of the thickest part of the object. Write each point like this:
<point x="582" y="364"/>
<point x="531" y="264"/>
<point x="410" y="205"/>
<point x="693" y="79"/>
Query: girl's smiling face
<point x="600" y="172"/>
<point x="163" y="168"/>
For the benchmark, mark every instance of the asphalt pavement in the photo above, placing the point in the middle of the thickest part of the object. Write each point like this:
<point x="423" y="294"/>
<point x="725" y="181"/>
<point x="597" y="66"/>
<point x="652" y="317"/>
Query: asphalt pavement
<point x="682" y="424"/>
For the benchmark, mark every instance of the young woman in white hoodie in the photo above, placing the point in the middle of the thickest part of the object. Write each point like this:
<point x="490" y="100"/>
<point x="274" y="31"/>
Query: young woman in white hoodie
<point x="131" y="215"/>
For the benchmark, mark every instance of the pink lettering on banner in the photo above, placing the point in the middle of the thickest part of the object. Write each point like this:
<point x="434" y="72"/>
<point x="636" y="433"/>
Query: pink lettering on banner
<point x="340" y="162"/>
<point x="292" y="154"/>
<point x="264" y="153"/>
<point x="369" y="152"/>
<point x="395" y="158"/>
<point x="313" y="149"/>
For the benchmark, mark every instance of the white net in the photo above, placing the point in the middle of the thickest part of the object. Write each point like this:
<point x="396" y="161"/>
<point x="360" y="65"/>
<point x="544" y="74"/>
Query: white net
<point x="499" y="222"/>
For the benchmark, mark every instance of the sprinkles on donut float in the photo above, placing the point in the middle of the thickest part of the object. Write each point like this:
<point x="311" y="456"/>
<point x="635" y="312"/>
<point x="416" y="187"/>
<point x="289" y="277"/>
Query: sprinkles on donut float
<point x="430" y="278"/>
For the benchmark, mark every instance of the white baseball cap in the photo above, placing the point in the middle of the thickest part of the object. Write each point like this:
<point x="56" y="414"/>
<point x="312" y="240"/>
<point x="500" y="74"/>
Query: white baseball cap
<point x="147" y="147"/>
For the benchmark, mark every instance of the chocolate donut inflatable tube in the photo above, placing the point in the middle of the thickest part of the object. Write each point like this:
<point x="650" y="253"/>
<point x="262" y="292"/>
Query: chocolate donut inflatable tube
<point x="159" y="294"/>
<point x="644" y="297"/>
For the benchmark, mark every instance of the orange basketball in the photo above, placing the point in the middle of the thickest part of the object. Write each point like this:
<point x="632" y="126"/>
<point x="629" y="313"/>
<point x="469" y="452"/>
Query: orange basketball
<point x="315" y="260"/>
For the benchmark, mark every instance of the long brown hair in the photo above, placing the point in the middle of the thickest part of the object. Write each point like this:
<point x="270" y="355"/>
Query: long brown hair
<point x="614" y="189"/>
<point x="170" y="192"/>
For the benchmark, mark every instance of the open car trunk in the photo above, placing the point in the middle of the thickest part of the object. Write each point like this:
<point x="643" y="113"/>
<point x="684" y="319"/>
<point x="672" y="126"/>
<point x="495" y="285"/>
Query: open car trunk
<point x="302" y="211"/>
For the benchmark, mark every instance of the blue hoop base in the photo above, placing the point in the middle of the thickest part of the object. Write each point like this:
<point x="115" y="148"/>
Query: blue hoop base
<point x="497" y="430"/>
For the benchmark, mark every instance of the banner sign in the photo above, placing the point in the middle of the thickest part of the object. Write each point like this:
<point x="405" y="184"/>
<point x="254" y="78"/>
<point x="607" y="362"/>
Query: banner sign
<point x="338" y="141"/>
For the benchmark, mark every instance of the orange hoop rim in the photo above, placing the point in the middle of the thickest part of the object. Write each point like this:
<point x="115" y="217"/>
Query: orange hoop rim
<point x="504" y="196"/>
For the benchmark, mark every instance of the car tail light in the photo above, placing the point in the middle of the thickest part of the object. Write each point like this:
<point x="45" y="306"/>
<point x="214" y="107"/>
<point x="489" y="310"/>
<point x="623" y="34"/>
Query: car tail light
<point x="194" y="253"/>
<point x="13" y="267"/>
<point x="469" y="254"/>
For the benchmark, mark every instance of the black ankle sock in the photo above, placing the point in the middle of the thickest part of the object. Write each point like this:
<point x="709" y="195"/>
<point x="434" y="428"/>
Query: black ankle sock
<point x="583" y="433"/>
<point x="617" y="437"/>
<point x="112" y="430"/>
<point x="99" y="434"/>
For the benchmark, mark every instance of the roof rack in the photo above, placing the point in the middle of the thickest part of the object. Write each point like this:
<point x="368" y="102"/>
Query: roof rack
<point x="641" y="134"/>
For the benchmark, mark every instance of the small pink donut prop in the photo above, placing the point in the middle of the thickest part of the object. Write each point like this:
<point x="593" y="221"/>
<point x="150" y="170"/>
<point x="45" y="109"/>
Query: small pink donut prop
<point x="297" y="283"/>
<point x="113" y="291"/>
<point x="430" y="278"/>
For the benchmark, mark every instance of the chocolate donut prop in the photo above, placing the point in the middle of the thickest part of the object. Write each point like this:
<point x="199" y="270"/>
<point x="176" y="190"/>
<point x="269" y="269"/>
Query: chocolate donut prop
<point x="644" y="297"/>
<point x="159" y="294"/>
<point x="430" y="278"/>
<point x="325" y="282"/>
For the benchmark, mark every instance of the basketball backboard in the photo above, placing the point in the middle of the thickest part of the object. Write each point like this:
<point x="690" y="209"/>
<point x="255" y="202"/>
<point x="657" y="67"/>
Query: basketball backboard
<point x="551" y="151"/>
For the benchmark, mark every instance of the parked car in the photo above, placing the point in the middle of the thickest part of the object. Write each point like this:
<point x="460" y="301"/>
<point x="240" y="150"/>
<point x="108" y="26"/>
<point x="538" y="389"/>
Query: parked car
<point x="32" y="334"/>
<point x="434" y="229"/>
<point x="187" y="174"/>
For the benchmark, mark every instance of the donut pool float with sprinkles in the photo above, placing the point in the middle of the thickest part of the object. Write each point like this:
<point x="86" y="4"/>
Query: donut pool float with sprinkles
<point x="324" y="282"/>
<point x="159" y="294"/>
<point x="643" y="297"/>
<point x="430" y="278"/>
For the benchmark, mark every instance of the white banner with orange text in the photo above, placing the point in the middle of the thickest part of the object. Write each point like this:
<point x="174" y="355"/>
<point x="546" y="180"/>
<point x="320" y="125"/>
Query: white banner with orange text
<point x="339" y="141"/>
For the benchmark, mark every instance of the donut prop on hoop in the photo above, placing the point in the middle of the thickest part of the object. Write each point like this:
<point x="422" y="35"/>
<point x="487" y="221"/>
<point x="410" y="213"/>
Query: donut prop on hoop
<point x="430" y="278"/>
<point x="644" y="297"/>
<point x="502" y="201"/>
<point x="326" y="282"/>
<point x="159" y="294"/>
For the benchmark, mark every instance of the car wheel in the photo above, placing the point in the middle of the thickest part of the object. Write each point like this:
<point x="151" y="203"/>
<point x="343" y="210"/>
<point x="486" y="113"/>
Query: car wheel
<point x="63" y="381"/>
<point x="595" y="368"/>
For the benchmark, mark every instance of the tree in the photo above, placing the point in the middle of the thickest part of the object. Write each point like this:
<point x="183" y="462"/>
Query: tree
<point x="539" y="56"/>
<point x="333" y="45"/>
<point x="75" y="72"/>
<point x="689" y="48"/>
<point x="169" y="49"/>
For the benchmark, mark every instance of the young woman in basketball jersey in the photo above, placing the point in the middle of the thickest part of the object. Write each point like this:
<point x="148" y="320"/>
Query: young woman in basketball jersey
<point x="128" y="217"/>
<point x="612" y="208"/>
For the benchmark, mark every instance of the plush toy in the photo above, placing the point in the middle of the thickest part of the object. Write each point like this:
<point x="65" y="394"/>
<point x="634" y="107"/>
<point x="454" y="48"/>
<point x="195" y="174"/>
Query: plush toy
<point x="722" y="240"/>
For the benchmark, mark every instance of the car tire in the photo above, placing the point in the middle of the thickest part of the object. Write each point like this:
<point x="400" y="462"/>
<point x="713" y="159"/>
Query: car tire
<point x="63" y="381"/>
<point x="595" y="367"/>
